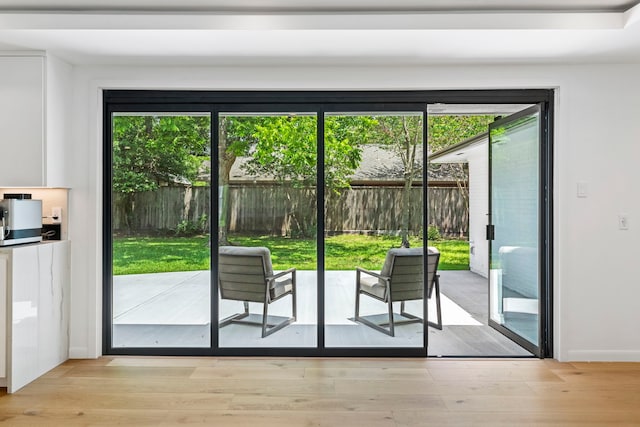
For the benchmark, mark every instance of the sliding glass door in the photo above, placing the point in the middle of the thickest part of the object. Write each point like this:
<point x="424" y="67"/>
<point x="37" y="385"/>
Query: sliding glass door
<point x="160" y="215"/>
<point x="373" y="204"/>
<point x="291" y="223"/>
<point x="267" y="210"/>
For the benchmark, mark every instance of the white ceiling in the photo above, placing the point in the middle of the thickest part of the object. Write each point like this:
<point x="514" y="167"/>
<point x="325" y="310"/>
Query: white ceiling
<point x="346" y="32"/>
<point x="319" y="5"/>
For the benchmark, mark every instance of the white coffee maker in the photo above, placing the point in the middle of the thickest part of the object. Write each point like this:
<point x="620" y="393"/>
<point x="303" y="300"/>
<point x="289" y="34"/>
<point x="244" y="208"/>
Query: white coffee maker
<point x="20" y="219"/>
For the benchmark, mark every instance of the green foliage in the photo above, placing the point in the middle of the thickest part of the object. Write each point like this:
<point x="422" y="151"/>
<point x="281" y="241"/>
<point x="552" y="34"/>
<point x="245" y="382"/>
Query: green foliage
<point x="403" y="134"/>
<point x="285" y="147"/>
<point x="342" y="147"/>
<point x="149" y="150"/>
<point x="189" y="228"/>
<point x="444" y="131"/>
<point x="433" y="233"/>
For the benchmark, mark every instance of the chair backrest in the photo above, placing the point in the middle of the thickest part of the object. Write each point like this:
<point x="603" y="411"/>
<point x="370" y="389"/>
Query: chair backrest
<point x="405" y="267"/>
<point x="242" y="272"/>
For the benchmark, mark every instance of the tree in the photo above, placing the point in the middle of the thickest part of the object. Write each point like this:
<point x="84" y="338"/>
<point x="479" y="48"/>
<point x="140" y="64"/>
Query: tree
<point x="284" y="147"/>
<point x="444" y="131"/>
<point x="234" y="139"/>
<point x="151" y="150"/>
<point x="403" y="134"/>
<point x="447" y="130"/>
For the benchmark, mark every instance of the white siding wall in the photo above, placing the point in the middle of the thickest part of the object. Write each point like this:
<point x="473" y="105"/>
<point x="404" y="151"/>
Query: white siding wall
<point x="478" y="209"/>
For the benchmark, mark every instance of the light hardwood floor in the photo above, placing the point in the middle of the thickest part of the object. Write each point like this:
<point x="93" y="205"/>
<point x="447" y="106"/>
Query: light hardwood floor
<point x="161" y="391"/>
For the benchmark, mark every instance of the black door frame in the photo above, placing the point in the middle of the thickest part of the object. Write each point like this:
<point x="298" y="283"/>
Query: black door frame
<point x="318" y="102"/>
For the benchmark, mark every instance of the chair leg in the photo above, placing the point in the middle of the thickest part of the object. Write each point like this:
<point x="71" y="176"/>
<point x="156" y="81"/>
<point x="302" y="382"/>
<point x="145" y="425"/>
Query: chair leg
<point x="265" y="311"/>
<point x="268" y="329"/>
<point x="357" y="295"/>
<point x="235" y="317"/>
<point x="294" y="296"/>
<point x="367" y="322"/>
<point x="436" y="287"/>
<point x="391" y="322"/>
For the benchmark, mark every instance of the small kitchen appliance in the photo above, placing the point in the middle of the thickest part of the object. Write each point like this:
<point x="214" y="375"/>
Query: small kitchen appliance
<point x="20" y="219"/>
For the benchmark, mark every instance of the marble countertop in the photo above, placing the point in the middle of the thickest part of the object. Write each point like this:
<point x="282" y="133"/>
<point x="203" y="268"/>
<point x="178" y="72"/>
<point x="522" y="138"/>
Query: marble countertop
<point x="28" y="245"/>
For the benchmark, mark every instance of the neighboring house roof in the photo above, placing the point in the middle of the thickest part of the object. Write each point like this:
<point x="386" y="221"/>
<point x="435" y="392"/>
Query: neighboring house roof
<point x="378" y="163"/>
<point x="459" y="153"/>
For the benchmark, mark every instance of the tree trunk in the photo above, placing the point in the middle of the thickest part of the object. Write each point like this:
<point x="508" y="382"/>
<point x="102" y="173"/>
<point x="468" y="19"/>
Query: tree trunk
<point x="226" y="160"/>
<point x="406" y="209"/>
<point x="126" y="203"/>
<point x="410" y="145"/>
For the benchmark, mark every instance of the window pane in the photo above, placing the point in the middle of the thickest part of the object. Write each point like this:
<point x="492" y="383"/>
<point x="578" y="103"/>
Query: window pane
<point x="267" y="230"/>
<point x="160" y="221"/>
<point x="373" y="203"/>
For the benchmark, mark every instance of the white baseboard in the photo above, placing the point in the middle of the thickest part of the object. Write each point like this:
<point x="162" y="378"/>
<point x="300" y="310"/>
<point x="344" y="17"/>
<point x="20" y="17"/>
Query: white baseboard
<point x="603" y="356"/>
<point x="78" y="353"/>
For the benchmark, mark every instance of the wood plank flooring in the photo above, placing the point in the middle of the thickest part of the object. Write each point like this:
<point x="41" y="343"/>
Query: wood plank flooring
<point x="165" y="391"/>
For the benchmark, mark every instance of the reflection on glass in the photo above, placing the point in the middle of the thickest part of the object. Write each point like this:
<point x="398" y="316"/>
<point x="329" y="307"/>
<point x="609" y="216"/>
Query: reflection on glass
<point x="267" y="230"/>
<point x="160" y="221"/>
<point x="373" y="203"/>
<point x="514" y="268"/>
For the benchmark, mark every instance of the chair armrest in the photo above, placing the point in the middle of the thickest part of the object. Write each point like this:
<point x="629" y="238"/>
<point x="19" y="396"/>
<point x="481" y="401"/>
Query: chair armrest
<point x="371" y="273"/>
<point x="282" y="273"/>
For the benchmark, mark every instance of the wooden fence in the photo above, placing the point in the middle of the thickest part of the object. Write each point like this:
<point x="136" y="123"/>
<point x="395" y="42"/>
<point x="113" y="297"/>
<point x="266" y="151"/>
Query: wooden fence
<point x="279" y="210"/>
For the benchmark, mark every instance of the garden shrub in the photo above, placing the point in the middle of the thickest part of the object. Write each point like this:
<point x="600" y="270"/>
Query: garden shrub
<point x="433" y="233"/>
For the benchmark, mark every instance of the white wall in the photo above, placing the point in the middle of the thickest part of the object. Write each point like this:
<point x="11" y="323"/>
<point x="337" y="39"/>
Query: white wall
<point x="597" y="141"/>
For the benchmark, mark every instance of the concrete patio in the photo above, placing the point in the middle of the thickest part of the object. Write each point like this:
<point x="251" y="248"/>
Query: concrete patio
<point x="173" y="310"/>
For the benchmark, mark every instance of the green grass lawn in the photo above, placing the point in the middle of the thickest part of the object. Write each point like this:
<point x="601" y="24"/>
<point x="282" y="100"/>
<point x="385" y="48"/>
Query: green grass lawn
<point x="135" y="255"/>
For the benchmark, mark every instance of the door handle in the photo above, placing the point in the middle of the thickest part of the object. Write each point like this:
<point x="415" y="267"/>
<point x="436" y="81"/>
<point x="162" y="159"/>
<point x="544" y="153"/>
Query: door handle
<point x="491" y="231"/>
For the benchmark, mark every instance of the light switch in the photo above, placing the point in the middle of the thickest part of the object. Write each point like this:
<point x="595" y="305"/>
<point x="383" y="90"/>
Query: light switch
<point x="623" y="222"/>
<point x="56" y="215"/>
<point x="583" y="189"/>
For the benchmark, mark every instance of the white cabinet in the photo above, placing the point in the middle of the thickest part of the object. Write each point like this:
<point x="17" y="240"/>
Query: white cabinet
<point x="22" y="115"/>
<point x="37" y="310"/>
<point x="3" y="318"/>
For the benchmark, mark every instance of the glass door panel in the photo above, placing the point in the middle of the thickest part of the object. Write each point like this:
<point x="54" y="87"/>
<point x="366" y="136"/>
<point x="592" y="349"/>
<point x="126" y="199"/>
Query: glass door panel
<point x="267" y="260"/>
<point x="373" y="203"/>
<point x="160" y="222"/>
<point x="514" y="278"/>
